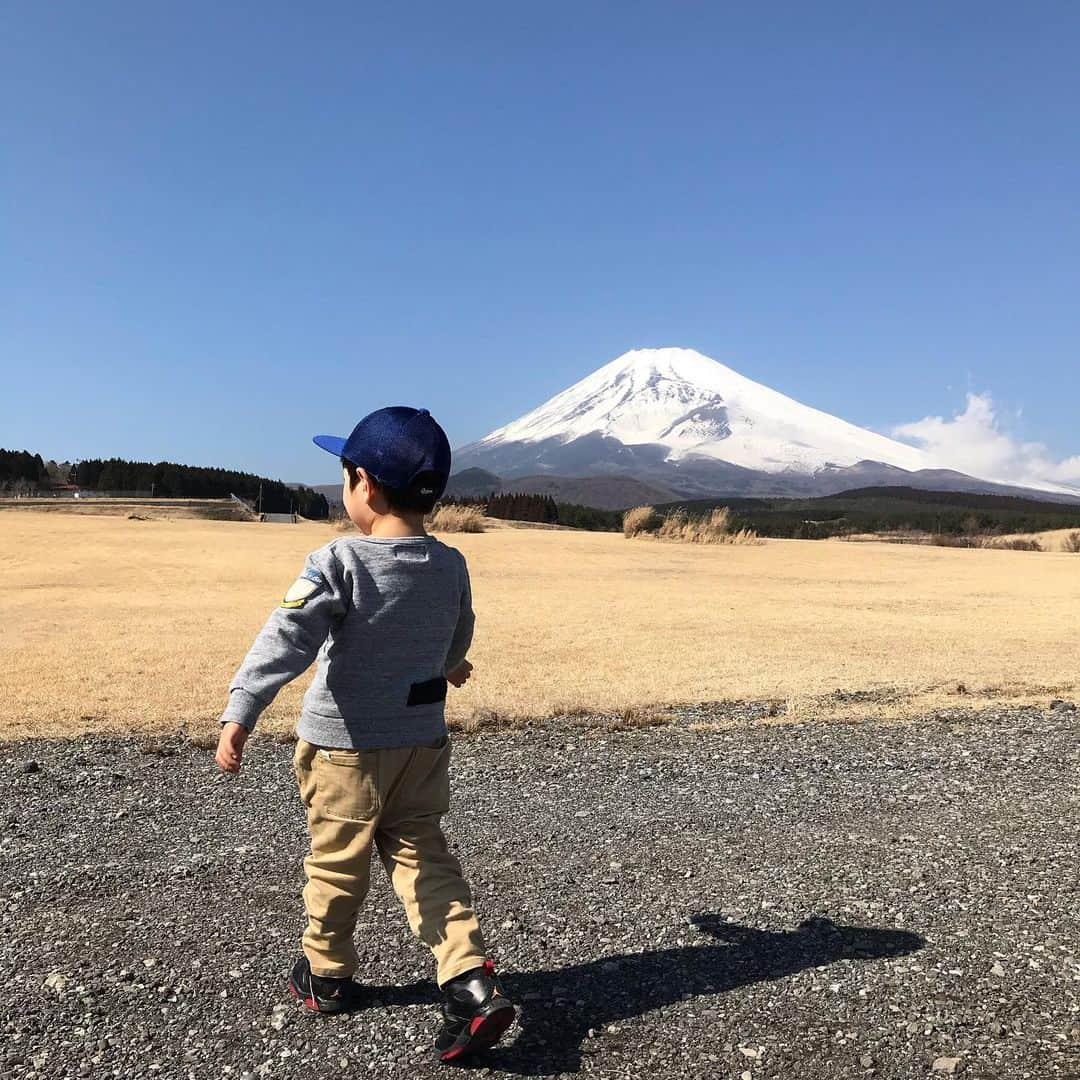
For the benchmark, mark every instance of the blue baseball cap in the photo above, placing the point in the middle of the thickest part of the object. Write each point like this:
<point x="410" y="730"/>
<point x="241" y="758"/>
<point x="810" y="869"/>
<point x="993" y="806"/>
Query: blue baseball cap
<point x="401" y="447"/>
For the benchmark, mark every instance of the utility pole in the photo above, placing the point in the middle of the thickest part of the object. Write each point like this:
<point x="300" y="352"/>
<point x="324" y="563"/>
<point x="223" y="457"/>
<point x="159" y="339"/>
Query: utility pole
<point x="260" y="498"/>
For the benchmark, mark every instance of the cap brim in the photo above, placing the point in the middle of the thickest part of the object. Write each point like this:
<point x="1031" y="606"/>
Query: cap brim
<point x="332" y="444"/>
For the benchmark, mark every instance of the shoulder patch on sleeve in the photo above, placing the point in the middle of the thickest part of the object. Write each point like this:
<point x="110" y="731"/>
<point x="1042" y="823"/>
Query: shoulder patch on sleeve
<point x="303" y="588"/>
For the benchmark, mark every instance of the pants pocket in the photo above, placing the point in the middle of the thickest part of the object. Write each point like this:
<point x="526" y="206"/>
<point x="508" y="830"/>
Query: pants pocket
<point x="302" y="760"/>
<point x="347" y="784"/>
<point x="429" y="780"/>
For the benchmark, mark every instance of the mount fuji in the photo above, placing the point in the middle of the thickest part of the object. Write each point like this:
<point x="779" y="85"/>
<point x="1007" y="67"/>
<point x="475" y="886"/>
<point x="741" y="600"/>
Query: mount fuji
<point x="681" y="422"/>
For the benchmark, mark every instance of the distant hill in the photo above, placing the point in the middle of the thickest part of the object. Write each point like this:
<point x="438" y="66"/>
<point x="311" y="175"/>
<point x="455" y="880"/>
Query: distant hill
<point x="330" y="492"/>
<point x="472" y="483"/>
<point x="619" y="491"/>
<point x="601" y="492"/>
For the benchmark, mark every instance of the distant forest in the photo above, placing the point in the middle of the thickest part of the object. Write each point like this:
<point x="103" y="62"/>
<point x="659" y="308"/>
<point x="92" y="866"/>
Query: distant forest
<point x="26" y="473"/>
<point x="19" y="469"/>
<point x="516" y="506"/>
<point x="890" y="510"/>
<point x="864" y="510"/>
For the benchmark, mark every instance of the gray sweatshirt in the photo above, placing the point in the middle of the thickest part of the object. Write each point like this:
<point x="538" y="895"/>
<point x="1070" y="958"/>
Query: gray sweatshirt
<point x="387" y="619"/>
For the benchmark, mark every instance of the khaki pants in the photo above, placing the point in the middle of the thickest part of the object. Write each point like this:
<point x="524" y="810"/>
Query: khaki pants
<point x="392" y="798"/>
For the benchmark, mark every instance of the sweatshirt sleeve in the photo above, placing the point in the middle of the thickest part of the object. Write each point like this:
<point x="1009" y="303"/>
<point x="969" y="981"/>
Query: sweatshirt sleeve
<point x="290" y="639"/>
<point x="463" y="632"/>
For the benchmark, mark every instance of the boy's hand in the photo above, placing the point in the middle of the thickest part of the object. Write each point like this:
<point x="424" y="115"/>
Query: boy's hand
<point x="460" y="675"/>
<point x="230" y="747"/>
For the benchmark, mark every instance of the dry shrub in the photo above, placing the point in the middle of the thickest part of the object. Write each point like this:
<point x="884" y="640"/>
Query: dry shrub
<point x="675" y="526"/>
<point x="718" y="523"/>
<point x="1019" y="543"/>
<point x="459" y="519"/>
<point x="1071" y="543"/>
<point x="714" y="529"/>
<point x="344" y="524"/>
<point x="744" y="536"/>
<point x="642" y="519"/>
<point x="1006" y="543"/>
<point x="949" y="540"/>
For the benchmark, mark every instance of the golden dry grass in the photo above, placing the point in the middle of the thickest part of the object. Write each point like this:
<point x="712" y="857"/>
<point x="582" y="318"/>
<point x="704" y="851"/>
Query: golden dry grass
<point x="155" y="509"/>
<point x="713" y="528"/>
<point x="117" y="625"/>
<point x="457" y="519"/>
<point x="641" y="519"/>
<point x="716" y="528"/>
<point x="1067" y="540"/>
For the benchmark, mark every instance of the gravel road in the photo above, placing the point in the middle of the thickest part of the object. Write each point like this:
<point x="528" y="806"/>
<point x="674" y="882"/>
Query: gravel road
<point x="804" y="901"/>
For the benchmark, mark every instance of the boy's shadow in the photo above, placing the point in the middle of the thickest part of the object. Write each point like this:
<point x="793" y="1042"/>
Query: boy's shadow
<point x="553" y="1028"/>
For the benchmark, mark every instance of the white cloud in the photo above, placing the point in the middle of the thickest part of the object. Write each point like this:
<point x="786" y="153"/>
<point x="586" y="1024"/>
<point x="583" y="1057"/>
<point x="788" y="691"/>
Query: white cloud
<point x="975" y="442"/>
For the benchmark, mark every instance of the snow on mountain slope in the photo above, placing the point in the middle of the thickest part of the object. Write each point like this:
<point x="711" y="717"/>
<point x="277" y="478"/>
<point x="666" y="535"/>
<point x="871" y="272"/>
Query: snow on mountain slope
<point x="698" y="408"/>
<point x="679" y="420"/>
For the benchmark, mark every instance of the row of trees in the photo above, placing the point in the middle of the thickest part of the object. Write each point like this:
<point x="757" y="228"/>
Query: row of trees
<point x="511" y="506"/>
<point x="21" y="471"/>
<point x="517" y="506"/>
<point x="890" y="510"/>
<point x="590" y="517"/>
<point x="24" y="473"/>
<point x="167" y="478"/>
<point x="864" y="511"/>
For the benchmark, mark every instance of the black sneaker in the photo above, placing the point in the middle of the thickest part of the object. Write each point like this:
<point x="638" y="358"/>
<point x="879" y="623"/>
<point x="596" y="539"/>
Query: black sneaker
<point x="320" y="994"/>
<point x="476" y="1012"/>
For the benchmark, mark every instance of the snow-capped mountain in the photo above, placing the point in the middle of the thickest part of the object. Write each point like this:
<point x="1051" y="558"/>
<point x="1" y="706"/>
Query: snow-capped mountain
<point x="677" y="418"/>
<point x="691" y="404"/>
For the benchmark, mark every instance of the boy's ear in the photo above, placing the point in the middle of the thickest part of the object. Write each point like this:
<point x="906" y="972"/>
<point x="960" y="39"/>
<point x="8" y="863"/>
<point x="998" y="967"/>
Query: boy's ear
<point x="365" y="479"/>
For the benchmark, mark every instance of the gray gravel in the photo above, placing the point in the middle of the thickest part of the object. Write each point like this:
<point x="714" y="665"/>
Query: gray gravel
<point x="767" y="901"/>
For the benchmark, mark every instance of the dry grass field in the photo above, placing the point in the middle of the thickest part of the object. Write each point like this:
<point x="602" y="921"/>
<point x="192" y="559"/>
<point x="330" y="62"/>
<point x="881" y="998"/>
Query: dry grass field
<point x="1057" y="540"/>
<point x="156" y="509"/>
<point x="111" y="624"/>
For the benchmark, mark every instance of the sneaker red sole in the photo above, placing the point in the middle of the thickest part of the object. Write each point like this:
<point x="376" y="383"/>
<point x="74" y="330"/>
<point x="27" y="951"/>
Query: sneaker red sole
<point x="484" y="1032"/>
<point x="309" y="1002"/>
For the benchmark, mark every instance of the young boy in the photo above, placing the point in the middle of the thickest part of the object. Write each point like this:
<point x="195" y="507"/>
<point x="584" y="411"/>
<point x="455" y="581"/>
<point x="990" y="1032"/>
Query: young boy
<point x="388" y="614"/>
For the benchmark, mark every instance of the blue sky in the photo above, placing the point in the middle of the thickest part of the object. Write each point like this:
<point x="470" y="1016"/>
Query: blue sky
<point x="229" y="226"/>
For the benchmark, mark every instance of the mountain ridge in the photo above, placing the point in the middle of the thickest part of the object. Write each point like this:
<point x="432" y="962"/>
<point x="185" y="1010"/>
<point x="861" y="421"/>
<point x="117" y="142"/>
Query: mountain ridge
<point x="678" y="420"/>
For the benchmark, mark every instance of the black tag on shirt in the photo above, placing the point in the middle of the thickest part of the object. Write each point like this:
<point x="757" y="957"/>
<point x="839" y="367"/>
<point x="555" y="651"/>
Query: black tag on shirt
<point x="428" y="692"/>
